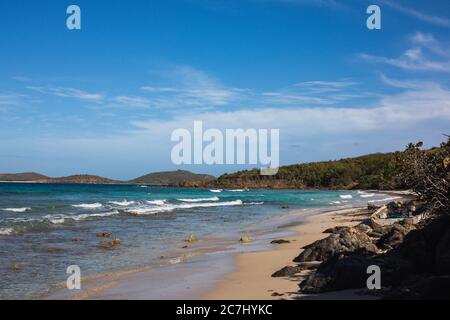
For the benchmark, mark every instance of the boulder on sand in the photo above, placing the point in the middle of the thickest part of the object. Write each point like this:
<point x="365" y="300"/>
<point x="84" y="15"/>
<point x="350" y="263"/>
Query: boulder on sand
<point x="347" y="240"/>
<point x="293" y="270"/>
<point x="393" y="236"/>
<point x="279" y="241"/>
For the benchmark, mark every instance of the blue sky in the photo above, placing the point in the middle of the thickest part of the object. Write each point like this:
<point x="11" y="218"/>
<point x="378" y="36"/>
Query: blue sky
<point x="105" y="99"/>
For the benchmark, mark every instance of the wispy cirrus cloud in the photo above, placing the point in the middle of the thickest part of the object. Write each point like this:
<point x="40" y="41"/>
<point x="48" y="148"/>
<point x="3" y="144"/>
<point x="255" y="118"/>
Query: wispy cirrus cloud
<point x="425" y="17"/>
<point x="426" y="54"/>
<point x="10" y="99"/>
<point x="315" y="92"/>
<point x="69" y="93"/>
<point x="192" y="87"/>
<point x="132" y="101"/>
<point x="320" y="3"/>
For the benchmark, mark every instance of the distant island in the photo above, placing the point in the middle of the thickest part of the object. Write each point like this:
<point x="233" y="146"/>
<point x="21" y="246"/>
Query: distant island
<point x="169" y="178"/>
<point x="373" y="171"/>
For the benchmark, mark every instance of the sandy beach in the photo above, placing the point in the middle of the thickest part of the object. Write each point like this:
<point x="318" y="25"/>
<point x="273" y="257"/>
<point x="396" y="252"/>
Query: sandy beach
<point x="252" y="276"/>
<point x="243" y="275"/>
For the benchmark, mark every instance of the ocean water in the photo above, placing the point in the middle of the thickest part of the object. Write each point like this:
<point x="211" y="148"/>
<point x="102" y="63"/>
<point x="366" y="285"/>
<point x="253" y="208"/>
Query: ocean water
<point x="44" y="228"/>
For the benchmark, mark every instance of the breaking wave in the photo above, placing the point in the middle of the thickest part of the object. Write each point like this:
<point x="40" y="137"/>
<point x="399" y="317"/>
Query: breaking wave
<point x="18" y="210"/>
<point x="145" y="210"/>
<point x="88" y="205"/>
<point x="123" y="203"/>
<point x="200" y="199"/>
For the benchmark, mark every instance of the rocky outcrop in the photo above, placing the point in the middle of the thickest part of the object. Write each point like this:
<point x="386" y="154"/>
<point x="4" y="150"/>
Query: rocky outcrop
<point x="392" y="237"/>
<point x="415" y="262"/>
<point x="293" y="270"/>
<point x="344" y="240"/>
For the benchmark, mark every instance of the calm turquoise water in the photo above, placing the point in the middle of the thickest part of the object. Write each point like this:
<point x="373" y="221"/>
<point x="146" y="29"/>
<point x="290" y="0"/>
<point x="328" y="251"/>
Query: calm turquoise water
<point x="47" y="227"/>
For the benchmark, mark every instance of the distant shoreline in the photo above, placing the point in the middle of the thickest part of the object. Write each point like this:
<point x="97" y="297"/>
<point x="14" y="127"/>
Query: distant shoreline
<point x="388" y="191"/>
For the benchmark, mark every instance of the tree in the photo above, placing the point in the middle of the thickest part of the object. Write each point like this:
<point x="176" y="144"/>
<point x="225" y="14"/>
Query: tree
<point x="428" y="174"/>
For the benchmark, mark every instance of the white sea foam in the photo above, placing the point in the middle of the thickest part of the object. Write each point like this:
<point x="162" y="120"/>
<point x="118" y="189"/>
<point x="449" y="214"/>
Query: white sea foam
<point x="58" y="219"/>
<point x="18" y="210"/>
<point x="346" y="196"/>
<point x="143" y="186"/>
<point x="335" y="202"/>
<point x="200" y="199"/>
<point x="236" y="190"/>
<point x="6" y="231"/>
<point x="145" y="210"/>
<point x="88" y="205"/>
<point x="216" y="190"/>
<point x="123" y="203"/>
<point x="156" y="202"/>
<point x="175" y="260"/>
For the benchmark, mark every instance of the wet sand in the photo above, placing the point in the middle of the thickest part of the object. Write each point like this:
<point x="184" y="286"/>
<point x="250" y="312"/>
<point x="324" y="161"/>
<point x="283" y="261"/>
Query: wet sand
<point x="236" y="271"/>
<point x="252" y="276"/>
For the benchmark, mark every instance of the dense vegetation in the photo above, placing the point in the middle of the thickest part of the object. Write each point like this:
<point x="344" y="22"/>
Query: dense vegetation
<point x="428" y="174"/>
<point x="374" y="171"/>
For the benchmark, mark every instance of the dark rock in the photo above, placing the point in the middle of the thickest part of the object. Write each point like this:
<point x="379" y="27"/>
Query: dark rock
<point x="363" y="227"/>
<point x="372" y="207"/>
<point x="276" y="294"/>
<point x="393" y="236"/>
<point x="279" y="241"/>
<point x="284" y="206"/>
<point x="428" y="247"/>
<point x="442" y="258"/>
<point x="112" y="243"/>
<point x="103" y="234"/>
<point x="336" y="229"/>
<point x="340" y="272"/>
<point x="430" y="287"/>
<point x="416" y="267"/>
<point x="16" y="267"/>
<point x="293" y="270"/>
<point x="347" y="240"/>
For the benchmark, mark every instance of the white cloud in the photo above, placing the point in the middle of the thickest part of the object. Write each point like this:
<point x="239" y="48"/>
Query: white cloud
<point x="10" y="99"/>
<point x="433" y="19"/>
<point x="69" y="93"/>
<point x="132" y="101"/>
<point x="158" y="89"/>
<point x="421" y="57"/>
<point x="193" y="87"/>
<point x="413" y="105"/>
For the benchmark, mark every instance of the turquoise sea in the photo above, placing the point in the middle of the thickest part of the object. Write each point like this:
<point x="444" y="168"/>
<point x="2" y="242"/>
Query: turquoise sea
<point x="44" y="228"/>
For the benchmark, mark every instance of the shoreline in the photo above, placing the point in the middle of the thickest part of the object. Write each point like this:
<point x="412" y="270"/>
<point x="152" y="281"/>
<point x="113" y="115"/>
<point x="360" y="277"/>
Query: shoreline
<point x="251" y="278"/>
<point x="226" y="273"/>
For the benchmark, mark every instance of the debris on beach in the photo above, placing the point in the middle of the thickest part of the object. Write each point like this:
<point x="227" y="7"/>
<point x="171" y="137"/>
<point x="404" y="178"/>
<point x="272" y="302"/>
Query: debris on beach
<point x="16" y="267"/>
<point x="279" y="241"/>
<point x="191" y="238"/>
<point x="103" y="234"/>
<point x="106" y="245"/>
<point x="245" y="239"/>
